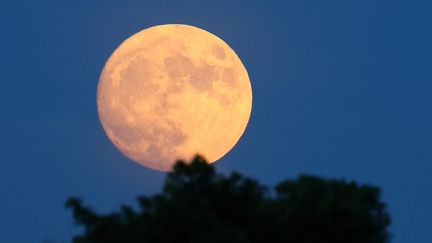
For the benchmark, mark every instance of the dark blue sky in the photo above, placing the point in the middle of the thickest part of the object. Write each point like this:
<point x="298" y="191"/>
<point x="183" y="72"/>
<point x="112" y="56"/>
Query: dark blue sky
<point x="341" y="89"/>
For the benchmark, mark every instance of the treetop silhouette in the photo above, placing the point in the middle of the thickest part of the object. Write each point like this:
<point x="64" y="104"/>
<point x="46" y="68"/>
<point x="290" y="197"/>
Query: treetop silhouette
<point x="199" y="205"/>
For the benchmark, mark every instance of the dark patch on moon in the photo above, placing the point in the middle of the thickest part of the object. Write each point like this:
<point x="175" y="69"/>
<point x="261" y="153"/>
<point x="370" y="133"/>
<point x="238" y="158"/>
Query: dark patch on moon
<point x="229" y="76"/>
<point x="137" y="77"/>
<point x="218" y="52"/>
<point x="161" y="138"/>
<point x="178" y="66"/>
<point x="164" y="105"/>
<point x="203" y="77"/>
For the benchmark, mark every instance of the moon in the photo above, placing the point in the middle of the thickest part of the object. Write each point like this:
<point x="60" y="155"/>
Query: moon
<point x="172" y="91"/>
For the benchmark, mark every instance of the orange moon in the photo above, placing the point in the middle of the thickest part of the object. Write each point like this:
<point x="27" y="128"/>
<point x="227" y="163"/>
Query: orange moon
<point x="172" y="91"/>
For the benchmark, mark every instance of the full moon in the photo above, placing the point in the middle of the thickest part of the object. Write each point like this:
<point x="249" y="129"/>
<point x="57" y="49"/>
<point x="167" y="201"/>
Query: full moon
<point x="172" y="91"/>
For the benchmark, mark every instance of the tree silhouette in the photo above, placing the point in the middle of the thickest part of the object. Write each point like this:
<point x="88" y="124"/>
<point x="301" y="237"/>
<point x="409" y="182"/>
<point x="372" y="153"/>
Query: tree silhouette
<point x="199" y="205"/>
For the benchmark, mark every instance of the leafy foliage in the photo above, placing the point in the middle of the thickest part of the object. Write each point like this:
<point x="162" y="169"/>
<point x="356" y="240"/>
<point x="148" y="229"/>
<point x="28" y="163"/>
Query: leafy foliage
<point x="199" y="205"/>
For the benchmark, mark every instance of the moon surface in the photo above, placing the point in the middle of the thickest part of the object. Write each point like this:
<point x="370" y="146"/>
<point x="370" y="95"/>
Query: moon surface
<point x="172" y="91"/>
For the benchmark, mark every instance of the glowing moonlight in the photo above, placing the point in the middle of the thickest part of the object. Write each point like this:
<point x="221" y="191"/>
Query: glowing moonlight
<point x="172" y="91"/>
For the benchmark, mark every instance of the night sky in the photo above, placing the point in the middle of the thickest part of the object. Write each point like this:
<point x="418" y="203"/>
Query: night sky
<point x="341" y="90"/>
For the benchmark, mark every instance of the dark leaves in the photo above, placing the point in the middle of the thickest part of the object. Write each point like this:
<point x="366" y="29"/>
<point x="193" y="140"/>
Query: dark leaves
<point x="199" y="205"/>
